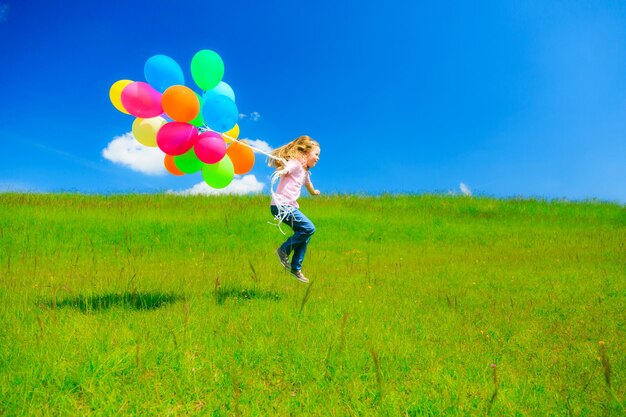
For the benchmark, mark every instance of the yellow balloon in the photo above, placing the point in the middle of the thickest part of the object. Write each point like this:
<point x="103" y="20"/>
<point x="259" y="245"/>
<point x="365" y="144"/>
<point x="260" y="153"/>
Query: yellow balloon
<point x="145" y="130"/>
<point x="115" y="94"/>
<point x="232" y="133"/>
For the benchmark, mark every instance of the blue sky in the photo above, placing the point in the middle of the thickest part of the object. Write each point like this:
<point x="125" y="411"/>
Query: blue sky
<point x="500" y="98"/>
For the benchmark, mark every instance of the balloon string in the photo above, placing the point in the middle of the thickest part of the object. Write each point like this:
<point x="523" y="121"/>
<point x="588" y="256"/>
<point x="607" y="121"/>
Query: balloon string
<point x="207" y="129"/>
<point x="254" y="148"/>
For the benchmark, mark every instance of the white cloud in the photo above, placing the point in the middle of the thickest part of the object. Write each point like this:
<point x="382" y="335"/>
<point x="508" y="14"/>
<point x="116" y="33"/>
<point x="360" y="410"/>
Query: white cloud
<point x="125" y="150"/>
<point x="255" y="116"/>
<point x="248" y="184"/>
<point x="465" y="189"/>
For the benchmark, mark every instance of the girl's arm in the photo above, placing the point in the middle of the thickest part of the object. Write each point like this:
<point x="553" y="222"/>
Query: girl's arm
<point x="311" y="188"/>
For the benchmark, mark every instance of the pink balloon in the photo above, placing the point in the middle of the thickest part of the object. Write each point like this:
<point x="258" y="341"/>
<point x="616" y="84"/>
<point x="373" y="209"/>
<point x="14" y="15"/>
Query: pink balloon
<point x="141" y="100"/>
<point x="210" y="148"/>
<point x="176" y="138"/>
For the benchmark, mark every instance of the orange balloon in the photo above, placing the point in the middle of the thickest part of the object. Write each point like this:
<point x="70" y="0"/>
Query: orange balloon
<point x="171" y="166"/>
<point x="180" y="103"/>
<point x="242" y="157"/>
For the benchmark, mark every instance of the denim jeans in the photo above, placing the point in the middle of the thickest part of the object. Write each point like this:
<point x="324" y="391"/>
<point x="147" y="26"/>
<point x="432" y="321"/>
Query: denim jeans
<point x="303" y="229"/>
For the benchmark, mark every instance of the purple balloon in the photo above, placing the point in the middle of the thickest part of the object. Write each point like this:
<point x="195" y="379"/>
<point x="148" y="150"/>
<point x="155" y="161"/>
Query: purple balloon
<point x="141" y="100"/>
<point x="176" y="138"/>
<point x="210" y="147"/>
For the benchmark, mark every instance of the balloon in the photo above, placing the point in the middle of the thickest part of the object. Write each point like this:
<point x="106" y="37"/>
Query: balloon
<point x="242" y="157"/>
<point x="171" y="167"/>
<point x="180" y="103"/>
<point x="188" y="162"/>
<point x="115" y="94"/>
<point x="219" y="175"/>
<point x="210" y="147"/>
<point x="176" y="138"/>
<point x="219" y="112"/>
<point x="145" y="130"/>
<point x="198" y="120"/>
<point x="224" y="89"/>
<point x="207" y="69"/>
<point x="231" y="134"/>
<point x="141" y="100"/>
<point x="161" y="72"/>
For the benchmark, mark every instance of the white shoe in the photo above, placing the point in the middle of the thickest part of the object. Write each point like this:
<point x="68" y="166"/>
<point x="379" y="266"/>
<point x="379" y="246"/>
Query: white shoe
<point x="298" y="275"/>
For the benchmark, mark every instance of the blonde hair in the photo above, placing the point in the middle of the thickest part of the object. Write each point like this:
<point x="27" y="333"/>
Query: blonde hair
<point x="297" y="148"/>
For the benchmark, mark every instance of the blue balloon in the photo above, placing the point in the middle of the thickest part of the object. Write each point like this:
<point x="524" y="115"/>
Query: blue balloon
<point x="220" y="113"/>
<point x="162" y="72"/>
<point x="224" y="89"/>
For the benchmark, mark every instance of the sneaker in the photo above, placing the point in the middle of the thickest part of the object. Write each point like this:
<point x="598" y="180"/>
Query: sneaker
<point x="299" y="275"/>
<point x="283" y="258"/>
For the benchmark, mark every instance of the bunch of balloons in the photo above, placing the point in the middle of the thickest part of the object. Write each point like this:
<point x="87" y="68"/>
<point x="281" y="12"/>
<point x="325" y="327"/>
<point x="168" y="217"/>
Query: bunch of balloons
<point x="197" y="132"/>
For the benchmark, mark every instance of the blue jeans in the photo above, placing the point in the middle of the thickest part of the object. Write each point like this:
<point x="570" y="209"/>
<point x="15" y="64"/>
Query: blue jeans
<point x="303" y="229"/>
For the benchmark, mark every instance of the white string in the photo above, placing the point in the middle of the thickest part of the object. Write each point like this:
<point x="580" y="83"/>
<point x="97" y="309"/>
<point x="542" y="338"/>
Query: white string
<point x="281" y="203"/>
<point x="254" y="149"/>
<point x="206" y="129"/>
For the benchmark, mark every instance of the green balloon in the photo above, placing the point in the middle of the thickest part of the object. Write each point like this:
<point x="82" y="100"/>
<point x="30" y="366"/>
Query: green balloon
<point x="220" y="174"/>
<point x="207" y="69"/>
<point x="188" y="162"/>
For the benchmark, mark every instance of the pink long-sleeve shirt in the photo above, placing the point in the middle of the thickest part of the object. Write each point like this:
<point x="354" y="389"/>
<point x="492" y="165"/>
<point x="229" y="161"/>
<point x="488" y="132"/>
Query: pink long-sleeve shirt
<point x="290" y="184"/>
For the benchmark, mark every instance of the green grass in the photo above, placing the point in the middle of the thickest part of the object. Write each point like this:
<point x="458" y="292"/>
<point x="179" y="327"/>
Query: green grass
<point x="419" y="306"/>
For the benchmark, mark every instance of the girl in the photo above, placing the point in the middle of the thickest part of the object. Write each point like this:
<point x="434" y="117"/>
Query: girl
<point x="292" y="162"/>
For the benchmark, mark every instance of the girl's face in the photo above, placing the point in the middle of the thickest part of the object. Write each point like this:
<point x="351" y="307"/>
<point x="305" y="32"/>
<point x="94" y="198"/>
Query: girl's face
<point x="312" y="157"/>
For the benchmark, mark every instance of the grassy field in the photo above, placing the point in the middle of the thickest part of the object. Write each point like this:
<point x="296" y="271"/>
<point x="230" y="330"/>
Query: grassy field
<point x="418" y="306"/>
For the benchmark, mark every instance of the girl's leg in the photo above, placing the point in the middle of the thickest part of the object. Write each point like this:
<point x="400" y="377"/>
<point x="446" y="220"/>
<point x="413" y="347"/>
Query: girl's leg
<point x="298" y="255"/>
<point x="303" y="230"/>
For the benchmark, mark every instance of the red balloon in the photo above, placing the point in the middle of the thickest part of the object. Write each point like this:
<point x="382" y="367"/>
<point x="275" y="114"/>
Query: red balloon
<point x="141" y="100"/>
<point x="176" y="138"/>
<point x="210" y="148"/>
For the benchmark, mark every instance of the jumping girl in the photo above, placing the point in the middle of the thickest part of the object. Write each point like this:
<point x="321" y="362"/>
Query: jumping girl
<point x="293" y="162"/>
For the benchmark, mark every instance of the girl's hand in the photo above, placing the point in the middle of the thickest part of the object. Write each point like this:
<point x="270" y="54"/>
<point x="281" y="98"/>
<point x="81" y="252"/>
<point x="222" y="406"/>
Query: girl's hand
<point x="316" y="192"/>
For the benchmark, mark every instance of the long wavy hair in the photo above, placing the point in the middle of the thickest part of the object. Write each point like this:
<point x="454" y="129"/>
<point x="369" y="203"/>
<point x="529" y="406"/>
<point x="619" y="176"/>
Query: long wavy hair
<point x="297" y="148"/>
